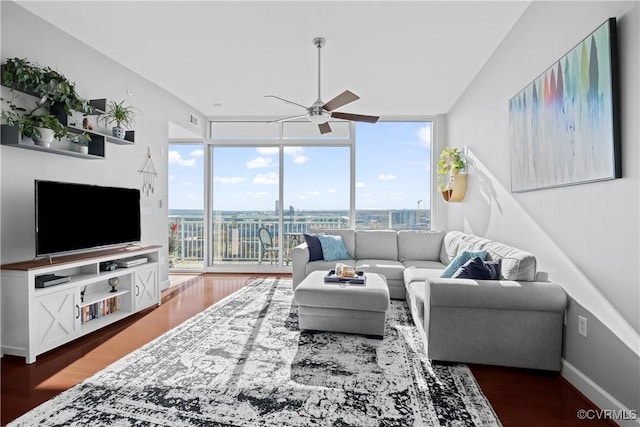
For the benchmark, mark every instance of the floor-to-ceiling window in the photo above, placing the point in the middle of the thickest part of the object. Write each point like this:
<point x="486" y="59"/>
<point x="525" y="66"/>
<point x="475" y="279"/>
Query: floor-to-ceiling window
<point x="393" y="175"/>
<point x="270" y="183"/>
<point x="186" y="206"/>
<point x="267" y="183"/>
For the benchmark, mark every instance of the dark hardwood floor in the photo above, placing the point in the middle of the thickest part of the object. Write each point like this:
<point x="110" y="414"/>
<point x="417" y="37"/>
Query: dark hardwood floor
<point x="520" y="398"/>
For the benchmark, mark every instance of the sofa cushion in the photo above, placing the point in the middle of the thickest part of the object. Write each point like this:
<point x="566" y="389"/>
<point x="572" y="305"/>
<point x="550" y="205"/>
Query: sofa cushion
<point x="460" y="260"/>
<point x="420" y="274"/>
<point x="348" y="237"/>
<point x="377" y="244"/>
<point x="314" y="246"/>
<point x="516" y="264"/>
<point x="419" y="245"/>
<point x="392" y="270"/>
<point x="456" y="242"/>
<point x="432" y="265"/>
<point x="478" y="269"/>
<point x="333" y="247"/>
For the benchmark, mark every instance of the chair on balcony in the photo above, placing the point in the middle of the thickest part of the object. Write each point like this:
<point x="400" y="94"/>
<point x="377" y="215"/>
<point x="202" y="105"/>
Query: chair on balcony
<point x="266" y="245"/>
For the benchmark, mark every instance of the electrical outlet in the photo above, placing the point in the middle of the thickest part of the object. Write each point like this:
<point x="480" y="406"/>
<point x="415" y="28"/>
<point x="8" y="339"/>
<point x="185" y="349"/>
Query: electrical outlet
<point x="582" y="326"/>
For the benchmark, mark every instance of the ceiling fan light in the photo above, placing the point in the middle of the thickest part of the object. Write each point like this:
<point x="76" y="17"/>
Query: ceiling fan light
<point x="318" y="118"/>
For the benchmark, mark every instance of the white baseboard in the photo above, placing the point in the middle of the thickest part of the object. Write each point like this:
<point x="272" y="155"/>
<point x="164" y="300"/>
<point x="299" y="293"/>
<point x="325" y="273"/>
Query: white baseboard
<point x="164" y="285"/>
<point x="597" y="395"/>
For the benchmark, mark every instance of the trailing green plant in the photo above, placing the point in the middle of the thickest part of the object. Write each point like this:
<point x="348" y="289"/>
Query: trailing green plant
<point x="44" y="82"/>
<point x="28" y="122"/>
<point x="121" y="114"/>
<point x="450" y="160"/>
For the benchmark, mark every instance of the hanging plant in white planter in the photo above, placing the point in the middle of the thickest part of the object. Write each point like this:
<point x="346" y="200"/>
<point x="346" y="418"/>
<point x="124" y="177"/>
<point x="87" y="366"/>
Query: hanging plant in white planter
<point x="450" y="163"/>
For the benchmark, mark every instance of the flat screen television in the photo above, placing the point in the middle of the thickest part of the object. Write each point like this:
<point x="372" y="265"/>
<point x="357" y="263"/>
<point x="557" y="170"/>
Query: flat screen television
<point x="76" y="217"/>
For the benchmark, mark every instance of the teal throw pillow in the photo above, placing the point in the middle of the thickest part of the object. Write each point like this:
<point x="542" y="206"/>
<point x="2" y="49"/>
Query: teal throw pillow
<point x="460" y="260"/>
<point x="333" y="247"/>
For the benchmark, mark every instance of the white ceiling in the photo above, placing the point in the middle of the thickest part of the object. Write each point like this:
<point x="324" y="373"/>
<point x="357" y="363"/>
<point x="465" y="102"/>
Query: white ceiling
<point x="401" y="58"/>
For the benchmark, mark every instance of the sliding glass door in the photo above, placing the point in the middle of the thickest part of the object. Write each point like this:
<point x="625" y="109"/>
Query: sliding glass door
<point x="245" y="216"/>
<point x="316" y="191"/>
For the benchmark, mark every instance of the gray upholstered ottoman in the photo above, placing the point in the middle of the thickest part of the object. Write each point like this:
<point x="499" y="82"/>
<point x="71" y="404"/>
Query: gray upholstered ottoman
<point x="334" y="307"/>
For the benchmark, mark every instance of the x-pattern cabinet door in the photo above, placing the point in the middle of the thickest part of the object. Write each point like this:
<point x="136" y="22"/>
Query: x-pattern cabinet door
<point x="57" y="318"/>
<point x="146" y="288"/>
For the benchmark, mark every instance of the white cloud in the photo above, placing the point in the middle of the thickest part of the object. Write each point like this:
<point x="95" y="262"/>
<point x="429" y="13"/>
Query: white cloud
<point x="175" y="158"/>
<point x="293" y="151"/>
<point x="268" y="151"/>
<point x="171" y="178"/>
<point x="260" y="162"/>
<point x="424" y="133"/>
<point x="389" y="177"/>
<point x="267" y="178"/>
<point x="331" y="190"/>
<point x="197" y="153"/>
<point x="360" y="184"/>
<point x="313" y="193"/>
<point x="229" y="179"/>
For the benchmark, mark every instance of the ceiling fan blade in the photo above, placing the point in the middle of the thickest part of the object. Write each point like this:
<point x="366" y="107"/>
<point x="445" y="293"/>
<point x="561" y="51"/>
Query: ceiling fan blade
<point x="285" y="100"/>
<point x="343" y="99"/>
<point x="354" y="117"/>
<point x="288" y="118"/>
<point x="324" y="128"/>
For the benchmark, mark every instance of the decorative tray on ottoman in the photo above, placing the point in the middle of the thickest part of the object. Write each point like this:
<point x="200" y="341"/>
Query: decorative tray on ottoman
<point x="359" y="279"/>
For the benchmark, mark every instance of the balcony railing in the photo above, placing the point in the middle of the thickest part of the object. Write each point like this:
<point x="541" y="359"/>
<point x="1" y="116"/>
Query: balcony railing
<point x="234" y="237"/>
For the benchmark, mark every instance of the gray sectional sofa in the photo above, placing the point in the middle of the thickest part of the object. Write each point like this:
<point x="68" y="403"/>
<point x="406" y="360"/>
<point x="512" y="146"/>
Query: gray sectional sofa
<point x="514" y="321"/>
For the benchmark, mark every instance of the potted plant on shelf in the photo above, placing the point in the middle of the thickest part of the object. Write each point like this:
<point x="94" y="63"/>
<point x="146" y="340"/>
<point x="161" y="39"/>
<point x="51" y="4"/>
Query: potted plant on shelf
<point x="54" y="93"/>
<point x="82" y="140"/>
<point x="42" y="128"/>
<point x="44" y="82"/>
<point x="450" y="163"/>
<point x="122" y="115"/>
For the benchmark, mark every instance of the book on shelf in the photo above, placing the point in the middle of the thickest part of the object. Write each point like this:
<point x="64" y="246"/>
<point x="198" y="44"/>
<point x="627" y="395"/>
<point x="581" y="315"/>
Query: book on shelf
<point x="99" y="309"/>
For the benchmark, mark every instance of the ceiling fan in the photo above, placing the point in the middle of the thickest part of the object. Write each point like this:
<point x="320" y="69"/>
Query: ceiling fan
<point x="320" y="113"/>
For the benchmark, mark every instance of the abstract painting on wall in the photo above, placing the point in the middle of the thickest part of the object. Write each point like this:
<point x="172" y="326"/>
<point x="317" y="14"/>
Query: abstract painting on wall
<point x="564" y="126"/>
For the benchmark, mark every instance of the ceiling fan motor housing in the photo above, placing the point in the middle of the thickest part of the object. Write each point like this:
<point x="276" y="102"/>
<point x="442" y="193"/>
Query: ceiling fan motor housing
<point x="320" y="113"/>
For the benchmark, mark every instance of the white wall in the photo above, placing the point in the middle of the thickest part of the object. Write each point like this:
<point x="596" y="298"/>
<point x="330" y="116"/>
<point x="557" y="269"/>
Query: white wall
<point x="586" y="236"/>
<point x="27" y="36"/>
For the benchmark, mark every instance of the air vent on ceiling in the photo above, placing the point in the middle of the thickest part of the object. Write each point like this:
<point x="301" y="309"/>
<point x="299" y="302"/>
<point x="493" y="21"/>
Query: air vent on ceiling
<point x="194" y="120"/>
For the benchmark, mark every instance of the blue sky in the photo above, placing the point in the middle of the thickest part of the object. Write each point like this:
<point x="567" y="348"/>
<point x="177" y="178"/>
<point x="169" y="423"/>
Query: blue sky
<point x="392" y="172"/>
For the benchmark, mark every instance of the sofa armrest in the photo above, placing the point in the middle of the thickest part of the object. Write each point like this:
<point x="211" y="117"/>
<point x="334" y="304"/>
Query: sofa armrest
<point x="299" y="260"/>
<point x="495" y="294"/>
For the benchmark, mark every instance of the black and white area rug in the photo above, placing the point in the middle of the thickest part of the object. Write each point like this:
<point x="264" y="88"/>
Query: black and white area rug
<point x="243" y="362"/>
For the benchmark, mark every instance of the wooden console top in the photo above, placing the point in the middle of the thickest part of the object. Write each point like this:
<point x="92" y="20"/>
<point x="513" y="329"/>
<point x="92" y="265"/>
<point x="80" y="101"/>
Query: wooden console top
<point x="65" y="259"/>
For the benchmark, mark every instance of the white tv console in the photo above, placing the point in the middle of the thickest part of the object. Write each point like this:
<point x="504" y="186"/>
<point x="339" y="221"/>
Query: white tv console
<point x="36" y="320"/>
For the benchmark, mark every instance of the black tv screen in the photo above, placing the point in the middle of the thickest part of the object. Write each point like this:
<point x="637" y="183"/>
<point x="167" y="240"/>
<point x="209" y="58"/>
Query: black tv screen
<point x="74" y="217"/>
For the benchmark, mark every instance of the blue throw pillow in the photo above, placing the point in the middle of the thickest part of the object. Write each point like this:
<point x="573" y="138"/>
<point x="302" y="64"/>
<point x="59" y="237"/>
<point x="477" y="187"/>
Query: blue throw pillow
<point x="460" y="260"/>
<point x="333" y="247"/>
<point x="314" y="246"/>
<point x="475" y="268"/>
